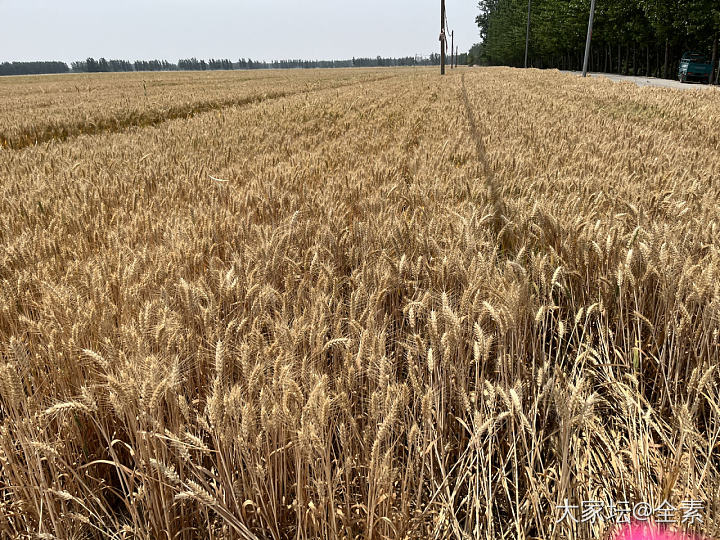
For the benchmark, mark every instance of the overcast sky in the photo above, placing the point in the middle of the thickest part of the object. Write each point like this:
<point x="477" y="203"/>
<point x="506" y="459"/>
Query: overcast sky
<point x="262" y="29"/>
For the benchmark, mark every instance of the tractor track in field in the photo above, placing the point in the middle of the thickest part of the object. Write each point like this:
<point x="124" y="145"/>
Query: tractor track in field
<point x="143" y="119"/>
<point x="481" y="153"/>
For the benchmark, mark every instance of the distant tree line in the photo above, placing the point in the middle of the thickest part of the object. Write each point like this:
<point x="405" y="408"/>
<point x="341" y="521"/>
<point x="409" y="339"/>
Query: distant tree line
<point x="32" y="68"/>
<point x="378" y="61"/>
<point x="640" y="37"/>
<point x="153" y="65"/>
<point x="193" y="64"/>
<point x="106" y="66"/>
<point x="220" y="64"/>
<point x="102" y="65"/>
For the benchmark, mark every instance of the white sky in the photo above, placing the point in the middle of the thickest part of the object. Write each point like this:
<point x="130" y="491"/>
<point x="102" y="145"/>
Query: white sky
<point x="262" y="30"/>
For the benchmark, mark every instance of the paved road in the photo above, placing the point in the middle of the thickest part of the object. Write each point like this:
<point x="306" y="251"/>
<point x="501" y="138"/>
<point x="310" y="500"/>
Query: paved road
<point x="651" y="81"/>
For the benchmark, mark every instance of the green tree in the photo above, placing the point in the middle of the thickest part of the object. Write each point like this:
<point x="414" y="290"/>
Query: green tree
<point x="630" y="36"/>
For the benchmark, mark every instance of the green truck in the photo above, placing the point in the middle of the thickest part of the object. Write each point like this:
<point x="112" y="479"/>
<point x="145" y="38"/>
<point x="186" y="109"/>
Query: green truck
<point x="694" y="66"/>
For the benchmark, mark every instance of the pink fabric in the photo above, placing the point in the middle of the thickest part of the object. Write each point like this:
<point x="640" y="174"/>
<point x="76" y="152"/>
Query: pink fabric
<point x="649" y="532"/>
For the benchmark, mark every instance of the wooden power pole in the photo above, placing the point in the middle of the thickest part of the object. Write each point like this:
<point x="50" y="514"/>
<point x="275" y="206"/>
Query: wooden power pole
<point x="713" y="62"/>
<point x="589" y="38"/>
<point x="527" y="34"/>
<point x="442" y="37"/>
<point x="452" y="49"/>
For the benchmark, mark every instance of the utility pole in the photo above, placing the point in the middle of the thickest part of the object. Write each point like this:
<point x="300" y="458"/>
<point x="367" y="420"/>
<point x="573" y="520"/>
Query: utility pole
<point x="589" y="38"/>
<point x="442" y="37"/>
<point x="456" y="56"/>
<point x="527" y="34"/>
<point x="452" y="49"/>
<point x="713" y="62"/>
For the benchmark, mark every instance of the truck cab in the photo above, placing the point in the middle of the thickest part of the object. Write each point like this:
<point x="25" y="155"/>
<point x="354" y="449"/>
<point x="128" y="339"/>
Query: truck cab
<point x="694" y="66"/>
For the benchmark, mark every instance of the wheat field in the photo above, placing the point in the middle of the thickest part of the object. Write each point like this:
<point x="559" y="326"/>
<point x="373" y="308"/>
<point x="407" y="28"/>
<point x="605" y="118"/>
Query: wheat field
<point x="355" y="304"/>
